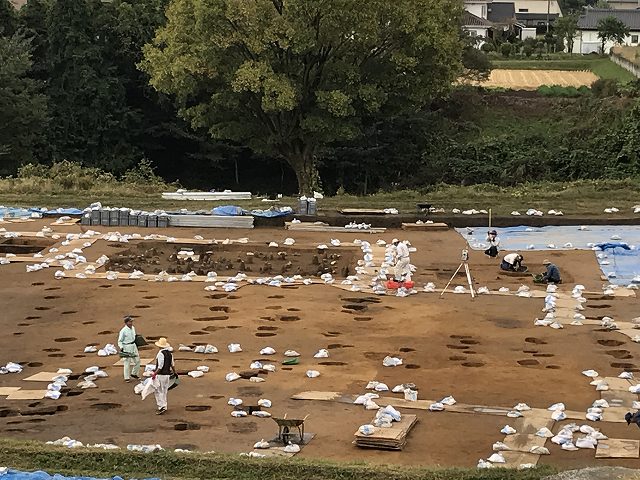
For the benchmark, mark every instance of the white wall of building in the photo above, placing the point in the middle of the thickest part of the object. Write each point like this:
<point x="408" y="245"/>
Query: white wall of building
<point x="479" y="9"/>
<point x="537" y="6"/>
<point x="587" y="41"/>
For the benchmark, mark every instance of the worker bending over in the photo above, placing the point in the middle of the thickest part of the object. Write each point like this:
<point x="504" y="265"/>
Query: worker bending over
<point x="512" y="262"/>
<point x="552" y="275"/>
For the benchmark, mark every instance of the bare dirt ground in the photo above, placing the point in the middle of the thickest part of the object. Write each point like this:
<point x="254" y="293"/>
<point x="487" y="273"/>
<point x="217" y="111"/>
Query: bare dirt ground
<point x="532" y="79"/>
<point x="484" y="351"/>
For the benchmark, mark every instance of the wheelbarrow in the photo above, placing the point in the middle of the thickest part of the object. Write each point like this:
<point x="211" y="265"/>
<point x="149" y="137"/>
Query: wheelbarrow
<point x="285" y="425"/>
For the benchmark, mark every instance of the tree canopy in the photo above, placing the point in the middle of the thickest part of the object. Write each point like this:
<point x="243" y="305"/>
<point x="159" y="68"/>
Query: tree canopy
<point x="290" y="77"/>
<point x="22" y="105"/>
<point x="566" y="28"/>
<point x="611" y="29"/>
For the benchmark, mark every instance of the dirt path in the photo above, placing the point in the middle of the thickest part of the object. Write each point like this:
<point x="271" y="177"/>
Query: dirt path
<point x="483" y="351"/>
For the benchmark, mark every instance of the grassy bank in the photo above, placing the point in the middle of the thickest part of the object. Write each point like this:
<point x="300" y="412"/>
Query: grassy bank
<point x="573" y="198"/>
<point x="86" y="462"/>
<point x="601" y="66"/>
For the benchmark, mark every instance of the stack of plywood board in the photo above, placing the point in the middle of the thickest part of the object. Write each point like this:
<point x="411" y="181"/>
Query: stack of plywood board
<point x="212" y="221"/>
<point x="425" y="226"/>
<point x="393" y="438"/>
<point x="207" y="196"/>
<point x="324" y="227"/>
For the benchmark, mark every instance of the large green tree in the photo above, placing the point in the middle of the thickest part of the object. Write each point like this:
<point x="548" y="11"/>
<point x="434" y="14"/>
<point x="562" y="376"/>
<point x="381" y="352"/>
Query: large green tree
<point x="289" y="76"/>
<point x="8" y="18"/>
<point x="91" y="121"/>
<point x="22" y="106"/>
<point x="611" y="29"/>
<point x="566" y="28"/>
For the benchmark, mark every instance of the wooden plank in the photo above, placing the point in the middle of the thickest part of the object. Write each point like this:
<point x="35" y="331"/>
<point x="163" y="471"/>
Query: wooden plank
<point x="521" y="442"/>
<point x="323" y="227"/>
<point x="619" y="398"/>
<point x="314" y="395"/>
<point x="618" y="448"/>
<point x="614" y="414"/>
<point x="436" y="226"/>
<point x="73" y="221"/>
<point x="515" y="459"/>
<point x="42" y="377"/>
<point x="616" y="383"/>
<point x="27" y="395"/>
<point x="362" y="211"/>
<point x="393" y="438"/>
<point x="8" y="390"/>
<point x="206" y="196"/>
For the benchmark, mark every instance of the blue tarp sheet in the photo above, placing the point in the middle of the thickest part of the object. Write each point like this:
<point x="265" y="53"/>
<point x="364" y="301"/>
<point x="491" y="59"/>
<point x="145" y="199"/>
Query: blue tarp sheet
<point x="13" y="212"/>
<point x="57" y="211"/>
<point x="39" y="475"/>
<point x="615" y="259"/>
<point x="232" y="210"/>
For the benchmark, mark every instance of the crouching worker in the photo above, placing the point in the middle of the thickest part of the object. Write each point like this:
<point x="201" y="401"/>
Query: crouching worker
<point x="512" y="262"/>
<point x="552" y="275"/>
<point x="494" y="244"/>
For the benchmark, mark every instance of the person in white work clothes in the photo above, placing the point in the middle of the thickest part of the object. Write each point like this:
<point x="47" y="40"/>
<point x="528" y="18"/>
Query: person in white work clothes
<point x="162" y="373"/>
<point x="129" y="349"/>
<point x="402" y="269"/>
<point x="512" y="262"/>
<point x="494" y="244"/>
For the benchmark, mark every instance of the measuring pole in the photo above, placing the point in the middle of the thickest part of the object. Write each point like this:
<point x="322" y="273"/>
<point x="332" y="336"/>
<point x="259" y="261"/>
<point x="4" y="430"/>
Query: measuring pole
<point x="490" y="209"/>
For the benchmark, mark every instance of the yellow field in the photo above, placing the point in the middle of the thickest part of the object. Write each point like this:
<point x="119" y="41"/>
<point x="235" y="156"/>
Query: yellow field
<point x="532" y="79"/>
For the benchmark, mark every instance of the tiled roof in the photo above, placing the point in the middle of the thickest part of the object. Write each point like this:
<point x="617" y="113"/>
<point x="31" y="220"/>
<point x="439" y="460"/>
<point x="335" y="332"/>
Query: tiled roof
<point x="471" y="20"/>
<point x="591" y="16"/>
<point x="501" y="12"/>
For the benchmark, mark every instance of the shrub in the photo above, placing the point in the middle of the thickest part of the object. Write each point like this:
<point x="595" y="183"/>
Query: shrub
<point x="605" y="87"/>
<point x="527" y="50"/>
<point x="487" y="47"/>
<point x="505" y="49"/>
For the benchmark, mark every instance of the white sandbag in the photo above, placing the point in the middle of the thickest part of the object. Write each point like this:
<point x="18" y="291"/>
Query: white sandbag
<point x="267" y="351"/>
<point x="508" y="430"/>
<point x="234" y="402"/>
<point x="263" y="402"/>
<point x="291" y="353"/>
<point x="260" y="414"/>
<point x="586" y="442"/>
<point x="544" y="432"/>
<point x="239" y="413"/>
<point x="497" y="458"/>
<point x="367" y="429"/>
<point x="539" y="450"/>
<point x="590" y="373"/>
<point x="261" y="444"/>
<point x="436" y="407"/>
<point x="448" y="401"/>
<point x="150" y="388"/>
<point x="381" y="387"/>
<point x="203" y="368"/>
<point x="255" y="366"/>
<point x="234" y="348"/>
<point x="557" y="406"/>
<point x="522" y="407"/>
<point x="313" y="373"/>
<point x="391" y="361"/>
<point x="322" y="353"/>
<point x="256" y="380"/>
<point x="195" y="374"/>
<point x="500" y="447"/>
<point x="395" y="414"/>
<point x="230" y="377"/>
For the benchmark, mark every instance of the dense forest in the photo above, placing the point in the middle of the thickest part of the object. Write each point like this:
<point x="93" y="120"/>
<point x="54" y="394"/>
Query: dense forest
<point x="73" y="86"/>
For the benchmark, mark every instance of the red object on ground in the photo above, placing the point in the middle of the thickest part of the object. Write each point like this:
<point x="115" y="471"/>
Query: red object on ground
<point x="393" y="285"/>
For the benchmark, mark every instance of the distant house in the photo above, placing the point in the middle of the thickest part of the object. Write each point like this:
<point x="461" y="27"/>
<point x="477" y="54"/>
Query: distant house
<point x="476" y="27"/>
<point x="587" y="40"/>
<point x="522" y="15"/>
<point x="624" y="4"/>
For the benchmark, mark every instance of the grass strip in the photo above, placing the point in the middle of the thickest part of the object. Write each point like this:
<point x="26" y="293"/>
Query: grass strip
<point x="584" y="197"/>
<point x="86" y="462"/>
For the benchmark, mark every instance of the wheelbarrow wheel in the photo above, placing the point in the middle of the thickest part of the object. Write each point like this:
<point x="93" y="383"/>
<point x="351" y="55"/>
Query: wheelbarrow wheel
<point x="286" y="435"/>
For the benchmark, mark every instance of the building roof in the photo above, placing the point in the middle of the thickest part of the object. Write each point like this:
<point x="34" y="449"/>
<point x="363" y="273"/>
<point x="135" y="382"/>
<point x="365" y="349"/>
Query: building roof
<point x="471" y="20"/>
<point x="501" y="12"/>
<point x="536" y="16"/>
<point x="591" y="16"/>
<point x="18" y="3"/>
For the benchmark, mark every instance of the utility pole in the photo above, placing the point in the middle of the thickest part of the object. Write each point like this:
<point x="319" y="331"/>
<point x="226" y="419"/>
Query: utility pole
<point x="548" y="9"/>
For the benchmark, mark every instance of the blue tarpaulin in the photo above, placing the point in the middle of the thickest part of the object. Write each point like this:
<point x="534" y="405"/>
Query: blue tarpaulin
<point x="620" y="264"/>
<point x="228" y="211"/>
<point x="40" y="475"/>
<point x="57" y="211"/>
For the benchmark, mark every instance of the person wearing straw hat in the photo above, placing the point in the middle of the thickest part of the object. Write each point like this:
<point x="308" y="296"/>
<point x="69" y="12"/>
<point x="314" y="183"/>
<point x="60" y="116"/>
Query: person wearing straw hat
<point x="129" y="349"/>
<point x="162" y="373"/>
<point x="552" y="275"/>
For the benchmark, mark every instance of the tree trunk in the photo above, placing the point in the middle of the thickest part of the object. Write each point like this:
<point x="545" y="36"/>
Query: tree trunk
<point x="304" y="166"/>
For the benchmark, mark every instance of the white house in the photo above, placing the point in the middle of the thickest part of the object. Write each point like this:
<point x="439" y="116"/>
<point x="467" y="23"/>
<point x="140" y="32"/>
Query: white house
<point x="521" y="13"/>
<point x="587" y="40"/>
<point x="624" y="4"/>
<point x="476" y="27"/>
